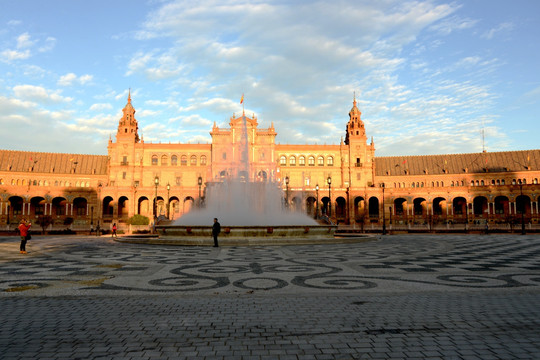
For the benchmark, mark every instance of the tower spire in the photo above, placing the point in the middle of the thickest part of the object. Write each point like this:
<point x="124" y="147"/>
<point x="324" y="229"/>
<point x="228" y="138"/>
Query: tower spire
<point x="129" y="96"/>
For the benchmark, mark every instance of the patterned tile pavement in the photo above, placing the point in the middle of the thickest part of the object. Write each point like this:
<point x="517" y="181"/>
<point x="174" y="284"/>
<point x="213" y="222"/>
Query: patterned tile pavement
<point x="400" y="297"/>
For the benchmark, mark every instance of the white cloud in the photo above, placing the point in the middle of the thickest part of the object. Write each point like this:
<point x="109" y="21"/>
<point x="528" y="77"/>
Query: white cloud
<point x="24" y="48"/>
<point x="70" y="78"/>
<point x="101" y="107"/>
<point x="12" y="55"/>
<point x="504" y="27"/>
<point x="38" y="94"/>
<point x="49" y="44"/>
<point x="23" y="41"/>
<point x="454" y="23"/>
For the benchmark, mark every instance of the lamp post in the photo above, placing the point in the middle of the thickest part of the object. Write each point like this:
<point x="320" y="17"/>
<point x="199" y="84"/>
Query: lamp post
<point x="199" y="182"/>
<point x="135" y="202"/>
<point x="522" y="208"/>
<point x="156" y="183"/>
<point x="317" y="202"/>
<point x="168" y="199"/>
<point x="383" y="217"/>
<point x="100" y="211"/>
<point x="329" y="181"/>
<point x="287" y="192"/>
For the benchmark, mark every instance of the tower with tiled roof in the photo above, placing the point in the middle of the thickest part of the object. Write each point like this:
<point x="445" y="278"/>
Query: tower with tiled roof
<point x="360" y="154"/>
<point x="128" y="126"/>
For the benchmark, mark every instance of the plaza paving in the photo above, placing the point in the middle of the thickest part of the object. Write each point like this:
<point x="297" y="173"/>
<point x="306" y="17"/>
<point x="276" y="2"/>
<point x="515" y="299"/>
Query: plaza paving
<point x="395" y="297"/>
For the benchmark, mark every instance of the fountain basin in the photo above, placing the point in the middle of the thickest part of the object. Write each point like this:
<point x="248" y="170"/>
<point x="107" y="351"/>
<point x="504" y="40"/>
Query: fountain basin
<point x="247" y="231"/>
<point x="245" y="236"/>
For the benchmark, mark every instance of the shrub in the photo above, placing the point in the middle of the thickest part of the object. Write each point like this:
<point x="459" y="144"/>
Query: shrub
<point x="138" y="220"/>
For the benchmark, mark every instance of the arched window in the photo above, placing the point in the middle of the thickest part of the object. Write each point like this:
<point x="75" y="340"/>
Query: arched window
<point x="193" y="160"/>
<point x="311" y="161"/>
<point x="482" y="182"/>
<point x="302" y="161"/>
<point x="203" y="159"/>
<point x="283" y="160"/>
<point x="174" y="160"/>
<point x="154" y="160"/>
<point x="412" y="184"/>
<point x="292" y="161"/>
<point x="472" y="182"/>
<point x="164" y="160"/>
<point x="535" y="181"/>
<point x="320" y="161"/>
<point x="503" y="182"/>
<point x="183" y="160"/>
<point x="330" y="161"/>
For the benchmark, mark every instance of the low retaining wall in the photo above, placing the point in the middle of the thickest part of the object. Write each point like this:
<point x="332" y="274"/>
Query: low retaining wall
<point x="247" y="231"/>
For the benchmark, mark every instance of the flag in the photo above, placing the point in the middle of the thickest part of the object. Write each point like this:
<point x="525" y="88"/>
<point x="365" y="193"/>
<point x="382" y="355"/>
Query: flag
<point x="242" y="99"/>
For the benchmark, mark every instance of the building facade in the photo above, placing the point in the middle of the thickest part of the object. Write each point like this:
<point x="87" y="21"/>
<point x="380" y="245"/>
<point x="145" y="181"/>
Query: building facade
<point x="345" y="182"/>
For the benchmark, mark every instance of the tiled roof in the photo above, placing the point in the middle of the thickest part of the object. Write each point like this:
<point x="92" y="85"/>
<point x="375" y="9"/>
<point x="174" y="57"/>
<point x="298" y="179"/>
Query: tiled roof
<point x="505" y="161"/>
<point x="57" y="163"/>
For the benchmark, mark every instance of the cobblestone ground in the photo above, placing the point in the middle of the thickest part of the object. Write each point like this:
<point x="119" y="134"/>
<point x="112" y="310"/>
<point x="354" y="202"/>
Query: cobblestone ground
<point x="396" y="297"/>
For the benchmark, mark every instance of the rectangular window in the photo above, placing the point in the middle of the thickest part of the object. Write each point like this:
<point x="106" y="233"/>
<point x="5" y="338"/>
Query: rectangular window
<point x="178" y="180"/>
<point x="124" y="175"/>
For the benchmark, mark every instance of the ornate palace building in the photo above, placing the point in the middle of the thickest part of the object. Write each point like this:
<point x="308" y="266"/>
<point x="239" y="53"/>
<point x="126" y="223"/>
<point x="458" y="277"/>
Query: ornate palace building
<point x="346" y="181"/>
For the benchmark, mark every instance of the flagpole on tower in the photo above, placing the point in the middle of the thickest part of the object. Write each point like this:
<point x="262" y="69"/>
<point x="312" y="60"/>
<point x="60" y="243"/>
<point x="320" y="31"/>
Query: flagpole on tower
<point x="242" y="102"/>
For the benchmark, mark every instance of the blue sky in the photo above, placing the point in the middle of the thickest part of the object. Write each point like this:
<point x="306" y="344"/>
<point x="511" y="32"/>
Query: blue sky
<point x="429" y="76"/>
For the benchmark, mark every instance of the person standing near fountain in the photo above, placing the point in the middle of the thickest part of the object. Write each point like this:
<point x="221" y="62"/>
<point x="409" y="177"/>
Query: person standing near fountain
<point x="216" y="229"/>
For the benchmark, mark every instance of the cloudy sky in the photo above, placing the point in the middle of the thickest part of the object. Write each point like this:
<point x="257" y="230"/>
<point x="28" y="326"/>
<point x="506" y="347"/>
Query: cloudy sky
<point x="430" y="77"/>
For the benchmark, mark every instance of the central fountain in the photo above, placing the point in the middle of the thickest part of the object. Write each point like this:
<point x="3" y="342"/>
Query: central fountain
<point x="251" y="209"/>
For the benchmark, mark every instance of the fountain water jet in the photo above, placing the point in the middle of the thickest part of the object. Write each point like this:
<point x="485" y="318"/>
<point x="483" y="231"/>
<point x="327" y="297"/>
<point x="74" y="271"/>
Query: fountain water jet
<point x="246" y="209"/>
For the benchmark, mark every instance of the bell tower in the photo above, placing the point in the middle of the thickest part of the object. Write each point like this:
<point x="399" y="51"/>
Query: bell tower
<point x="355" y="126"/>
<point x="361" y="155"/>
<point x="128" y="126"/>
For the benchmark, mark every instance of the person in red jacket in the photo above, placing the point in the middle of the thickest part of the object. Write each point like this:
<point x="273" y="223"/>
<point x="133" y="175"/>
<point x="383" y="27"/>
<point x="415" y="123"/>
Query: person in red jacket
<point x="23" y="230"/>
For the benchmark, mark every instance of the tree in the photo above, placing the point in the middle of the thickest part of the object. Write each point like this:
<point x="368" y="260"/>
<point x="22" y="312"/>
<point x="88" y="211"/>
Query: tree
<point x="44" y="221"/>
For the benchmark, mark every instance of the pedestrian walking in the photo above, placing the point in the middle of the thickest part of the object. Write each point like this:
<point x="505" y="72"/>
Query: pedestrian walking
<point x="216" y="229"/>
<point x="25" y="234"/>
<point x="114" y="231"/>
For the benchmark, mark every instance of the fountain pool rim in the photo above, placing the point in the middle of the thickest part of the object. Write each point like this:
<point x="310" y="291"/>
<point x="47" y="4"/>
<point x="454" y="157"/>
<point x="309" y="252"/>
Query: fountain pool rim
<point x="184" y="235"/>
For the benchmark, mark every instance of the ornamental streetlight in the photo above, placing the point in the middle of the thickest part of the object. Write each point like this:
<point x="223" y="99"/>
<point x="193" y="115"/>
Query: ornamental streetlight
<point x="199" y="182"/>
<point x="317" y="203"/>
<point x="168" y="199"/>
<point x="287" y="191"/>
<point x="100" y="210"/>
<point x="329" y="181"/>
<point x="522" y="208"/>
<point x="156" y="183"/>
<point x="383" y="217"/>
